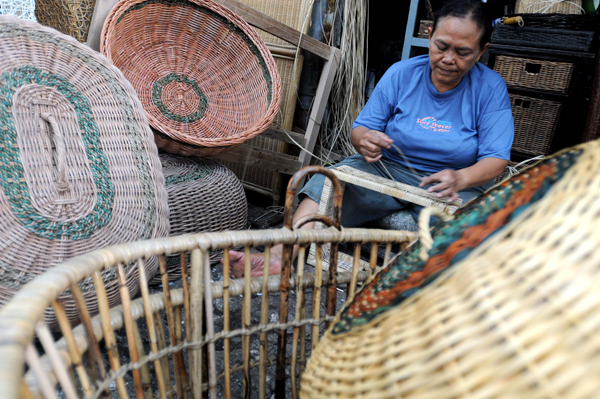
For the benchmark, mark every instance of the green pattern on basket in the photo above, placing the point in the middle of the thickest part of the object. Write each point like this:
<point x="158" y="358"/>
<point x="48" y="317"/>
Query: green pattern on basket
<point x="12" y="178"/>
<point x="454" y="240"/>
<point x="230" y="25"/>
<point x="157" y="98"/>
<point x="204" y="169"/>
<point x="136" y="145"/>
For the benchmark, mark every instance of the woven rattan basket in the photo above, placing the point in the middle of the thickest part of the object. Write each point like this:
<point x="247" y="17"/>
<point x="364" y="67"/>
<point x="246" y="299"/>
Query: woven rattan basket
<point x="534" y="74"/>
<point x="205" y="78"/>
<point x="78" y="167"/>
<point x="71" y="17"/>
<point x="556" y="39"/>
<point x="549" y="6"/>
<point x="535" y="123"/>
<point x="514" y="315"/>
<point x="160" y="344"/>
<point x="203" y="196"/>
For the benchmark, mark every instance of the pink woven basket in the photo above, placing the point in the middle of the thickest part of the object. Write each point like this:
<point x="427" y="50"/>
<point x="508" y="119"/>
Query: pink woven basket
<point x="205" y="78"/>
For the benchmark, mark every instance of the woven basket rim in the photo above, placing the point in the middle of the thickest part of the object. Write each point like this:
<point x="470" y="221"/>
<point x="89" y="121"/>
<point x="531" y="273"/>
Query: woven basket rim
<point x="106" y="48"/>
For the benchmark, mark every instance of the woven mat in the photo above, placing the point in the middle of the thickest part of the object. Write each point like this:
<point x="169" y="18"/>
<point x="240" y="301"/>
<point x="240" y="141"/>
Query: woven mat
<point x="79" y="169"/>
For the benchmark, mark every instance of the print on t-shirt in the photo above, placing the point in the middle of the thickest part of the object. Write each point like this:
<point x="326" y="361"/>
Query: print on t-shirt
<point x="430" y="123"/>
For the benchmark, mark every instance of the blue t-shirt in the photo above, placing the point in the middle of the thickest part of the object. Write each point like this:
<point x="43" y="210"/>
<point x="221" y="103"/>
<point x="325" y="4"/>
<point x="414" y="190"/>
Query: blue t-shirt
<point x="436" y="131"/>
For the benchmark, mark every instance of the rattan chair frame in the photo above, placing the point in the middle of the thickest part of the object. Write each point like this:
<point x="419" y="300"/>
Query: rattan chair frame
<point x="22" y="318"/>
<point x="230" y="109"/>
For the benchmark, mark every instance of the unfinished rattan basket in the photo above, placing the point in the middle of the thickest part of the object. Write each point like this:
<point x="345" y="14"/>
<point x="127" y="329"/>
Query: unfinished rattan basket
<point x="482" y="311"/>
<point x="205" y="78"/>
<point x="160" y="345"/>
<point x="203" y="196"/>
<point x="71" y="17"/>
<point x="78" y="167"/>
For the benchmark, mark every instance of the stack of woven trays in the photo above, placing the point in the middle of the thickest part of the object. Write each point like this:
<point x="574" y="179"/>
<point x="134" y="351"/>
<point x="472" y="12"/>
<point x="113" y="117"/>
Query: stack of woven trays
<point x="205" y="78"/>
<point x="204" y="196"/>
<point x="79" y="169"/>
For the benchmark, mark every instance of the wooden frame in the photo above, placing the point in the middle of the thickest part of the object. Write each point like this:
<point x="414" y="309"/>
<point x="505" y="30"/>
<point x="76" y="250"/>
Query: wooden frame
<point x="349" y="175"/>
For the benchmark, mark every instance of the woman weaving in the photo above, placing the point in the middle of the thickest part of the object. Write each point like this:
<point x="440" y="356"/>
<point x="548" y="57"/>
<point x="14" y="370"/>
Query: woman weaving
<point x="448" y="114"/>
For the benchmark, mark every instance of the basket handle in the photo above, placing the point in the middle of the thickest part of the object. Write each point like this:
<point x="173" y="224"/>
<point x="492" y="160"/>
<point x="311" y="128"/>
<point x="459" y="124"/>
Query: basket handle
<point x="425" y="230"/>
<point x="291" y="194"/>
<point x="62" y="184"/>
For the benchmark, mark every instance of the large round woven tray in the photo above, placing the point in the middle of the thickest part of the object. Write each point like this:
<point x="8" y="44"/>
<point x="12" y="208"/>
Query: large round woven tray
<point x="483" y="309"/>
<point x="205" y="78"/>
<point x="78" y="167"/>
<point x="204" y="196"/>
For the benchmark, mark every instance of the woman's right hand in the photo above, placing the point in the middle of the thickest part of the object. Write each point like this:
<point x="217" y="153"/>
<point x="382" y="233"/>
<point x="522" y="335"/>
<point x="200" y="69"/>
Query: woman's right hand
<point x="369" y="143"/>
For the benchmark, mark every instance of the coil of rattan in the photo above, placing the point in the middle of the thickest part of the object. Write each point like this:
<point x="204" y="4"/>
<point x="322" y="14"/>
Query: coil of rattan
<point x="204" y="196"/>
<point x="205" y="78"/>
<point x="495" y="312"/>
<point x="78" y="166"/>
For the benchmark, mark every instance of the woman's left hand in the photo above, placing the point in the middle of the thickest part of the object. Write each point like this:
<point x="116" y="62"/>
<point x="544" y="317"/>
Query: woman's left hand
<point x="448" y="183"/>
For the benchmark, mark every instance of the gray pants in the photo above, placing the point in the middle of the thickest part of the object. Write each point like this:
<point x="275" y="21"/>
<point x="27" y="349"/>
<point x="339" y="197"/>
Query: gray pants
<point x="361" y="205"/>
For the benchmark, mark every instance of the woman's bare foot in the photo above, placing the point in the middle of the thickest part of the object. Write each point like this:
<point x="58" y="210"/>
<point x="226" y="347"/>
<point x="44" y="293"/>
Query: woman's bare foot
<point x="257" y="262"/>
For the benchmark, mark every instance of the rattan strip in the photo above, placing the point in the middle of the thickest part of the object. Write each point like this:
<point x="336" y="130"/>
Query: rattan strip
<point x="198" y="93"/>
<point x="108" y="187"/>
<point x="514" y="319"/>
<point x="535" y="123"/>
<point x="534" y="74"/>
<point x="406" y="192"/>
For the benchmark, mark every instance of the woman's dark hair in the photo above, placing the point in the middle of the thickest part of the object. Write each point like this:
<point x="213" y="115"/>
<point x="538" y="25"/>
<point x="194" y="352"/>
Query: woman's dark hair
<point x="472" y="9"/>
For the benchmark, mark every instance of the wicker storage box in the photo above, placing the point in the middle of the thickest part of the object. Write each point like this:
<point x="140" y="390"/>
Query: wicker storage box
<point x="553" y="6"/>
<point x="79" y="169"/>
<point x="203" y="196"/>
<point x="71" y="17"/>
<point x="588" y="22"/>
<point x="557" y="39"/>
<point x="534" y="74"/>
<point x="535" y="123"/>
<point x="205" y="78"/>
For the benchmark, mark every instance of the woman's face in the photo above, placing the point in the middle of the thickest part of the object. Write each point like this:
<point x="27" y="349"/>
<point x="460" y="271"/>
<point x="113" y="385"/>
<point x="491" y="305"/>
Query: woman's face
<point x="453" y="50"/>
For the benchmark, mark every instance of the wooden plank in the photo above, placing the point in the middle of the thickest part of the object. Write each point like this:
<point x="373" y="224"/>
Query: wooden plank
<point x="277" y="133"/>
<point x="318" y="109"/>
<point x="262" y="158"/>
<point x="274" y="27"/>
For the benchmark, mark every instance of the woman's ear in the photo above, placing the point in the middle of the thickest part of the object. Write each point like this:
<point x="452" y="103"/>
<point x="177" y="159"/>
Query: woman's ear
<point x="487" y="46"/>
<point x="429" y="31"/>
